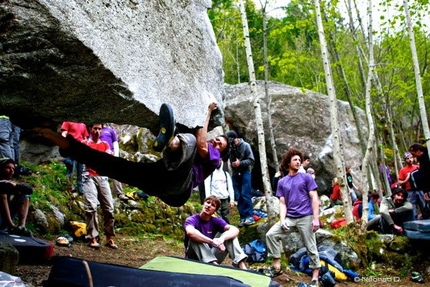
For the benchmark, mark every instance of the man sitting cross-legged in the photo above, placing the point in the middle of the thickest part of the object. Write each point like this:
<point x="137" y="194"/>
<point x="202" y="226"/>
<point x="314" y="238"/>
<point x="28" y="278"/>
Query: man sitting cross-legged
<point x="209" y="239"/>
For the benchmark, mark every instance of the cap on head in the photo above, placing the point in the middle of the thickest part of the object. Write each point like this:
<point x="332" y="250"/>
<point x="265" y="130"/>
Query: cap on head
<point x="406" y="155"/>
<point x="232" y="134"/>
<point x="5" y="160"/>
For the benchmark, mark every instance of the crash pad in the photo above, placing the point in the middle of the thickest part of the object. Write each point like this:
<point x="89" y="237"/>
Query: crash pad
<point x="31" y="250"/>
<point x="186" y="266"/>
<point x="73" y="272"/>
<point x="417" y="229"/>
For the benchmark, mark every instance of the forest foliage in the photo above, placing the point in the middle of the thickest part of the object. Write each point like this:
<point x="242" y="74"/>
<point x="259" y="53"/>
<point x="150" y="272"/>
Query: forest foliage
<point x="294" y="55"/>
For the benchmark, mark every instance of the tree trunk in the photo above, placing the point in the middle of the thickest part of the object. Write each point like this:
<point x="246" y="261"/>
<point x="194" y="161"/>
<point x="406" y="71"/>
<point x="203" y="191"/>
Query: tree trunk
<point x="258" y="118"/>
<point x="266" y="90"/>
<point x="340" y="169"/>
<point x="421" y="102"/>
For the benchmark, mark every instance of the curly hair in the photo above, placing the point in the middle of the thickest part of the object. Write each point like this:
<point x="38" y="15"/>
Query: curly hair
<point x="286" y="158"/>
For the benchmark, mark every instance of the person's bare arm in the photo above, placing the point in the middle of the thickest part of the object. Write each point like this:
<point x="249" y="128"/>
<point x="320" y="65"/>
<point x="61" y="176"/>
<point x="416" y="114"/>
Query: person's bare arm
<point x="230" y="232"/>
<point x="196" y="236"/>
<point x="315" y="210"/>
<point x="202" y="133"/>
<point x="282" y="212"/>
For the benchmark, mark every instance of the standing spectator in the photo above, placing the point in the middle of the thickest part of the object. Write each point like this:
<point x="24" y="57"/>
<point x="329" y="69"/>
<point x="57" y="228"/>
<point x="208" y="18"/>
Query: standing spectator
<point x="79" y="132"/>
<point x="96" y="189"/>
<point x="109" y="135"/>
<point x="16" y="135"/>
<point x="242" y="160"/>
<point x="385" y="171"/>
<point x="298" y="209"/>
<point x="351" y="185"/>
<point x="209" y="239"/>
<point x="419" y="178"/>
<point x="414" y="196"/>
<point x="9" y="141"/>
<point x="278" y="175"/>
<point x="311" y="171"/>
<point x="395" y="211"/>
<point x="14" y="200"/>
<point x="219" y="184"/>
<point x="305" y="163"/>
<point x="6" y="138"/>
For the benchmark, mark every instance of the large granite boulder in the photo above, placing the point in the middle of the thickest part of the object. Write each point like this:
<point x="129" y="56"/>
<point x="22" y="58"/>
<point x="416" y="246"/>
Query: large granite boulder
<point x="108" y="61"/>
<point x="300" y="119"/>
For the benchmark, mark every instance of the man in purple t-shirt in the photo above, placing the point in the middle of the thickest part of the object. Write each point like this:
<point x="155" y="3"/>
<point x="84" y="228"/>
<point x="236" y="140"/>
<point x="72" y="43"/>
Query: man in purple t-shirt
<point x="298" y="210"/>
<point x="201" y="240"/>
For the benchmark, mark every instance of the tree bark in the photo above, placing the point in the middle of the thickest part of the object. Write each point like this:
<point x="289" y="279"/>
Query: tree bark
<point x="258" y="117"/>
<point x="337" y="151"/>
<point x="421" y="102"/>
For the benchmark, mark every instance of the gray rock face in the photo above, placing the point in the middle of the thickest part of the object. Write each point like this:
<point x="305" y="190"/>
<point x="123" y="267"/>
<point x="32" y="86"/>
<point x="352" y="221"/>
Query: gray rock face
<point x="300" y="119"/>
<point x="108" y="61"/>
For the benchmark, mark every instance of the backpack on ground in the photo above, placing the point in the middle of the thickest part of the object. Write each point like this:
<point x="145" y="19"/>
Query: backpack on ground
<point x="256" y="251"/>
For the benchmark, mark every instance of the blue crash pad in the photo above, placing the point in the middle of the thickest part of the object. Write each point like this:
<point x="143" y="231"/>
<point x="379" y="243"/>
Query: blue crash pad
<point x="417" y="229"/>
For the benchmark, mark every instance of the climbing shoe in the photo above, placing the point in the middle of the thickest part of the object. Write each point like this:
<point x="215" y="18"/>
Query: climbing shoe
<point x="167" y="128"/>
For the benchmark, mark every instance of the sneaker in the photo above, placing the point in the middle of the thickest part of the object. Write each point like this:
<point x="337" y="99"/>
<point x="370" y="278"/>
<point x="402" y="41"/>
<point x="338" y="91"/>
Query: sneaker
<point x="167" y="128"/>
<point x="417" y="277"/>
<point x="241" y="223"/>
<point x="314" y="283"/>
<point x="123" y="197"/>
<point x="249" y="221"/>
<point x="19" y="230"/>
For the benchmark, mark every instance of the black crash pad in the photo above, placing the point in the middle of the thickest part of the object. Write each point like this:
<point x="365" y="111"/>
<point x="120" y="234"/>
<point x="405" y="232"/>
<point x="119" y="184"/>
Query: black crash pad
<point x="71" y="272"/>
<point x="31" y="250"/>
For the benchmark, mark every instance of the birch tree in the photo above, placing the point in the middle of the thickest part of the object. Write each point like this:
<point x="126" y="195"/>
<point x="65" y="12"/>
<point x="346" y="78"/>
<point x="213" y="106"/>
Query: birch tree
<point x="266" y="88"/>
<point x="421" y="102"/>
<point x="258" y="117"/>
<point x="371" y="139"/>
<point x="337" y="152"/>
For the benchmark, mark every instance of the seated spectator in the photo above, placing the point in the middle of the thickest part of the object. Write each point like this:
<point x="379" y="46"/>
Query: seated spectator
<point x="335" y="196"/>
<point x="209" y="239"/>
<point x="357" y="208"/>
<point x="373" y="217"/>
<point x="395" y="210"/>
<point x="14" y="200"/>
